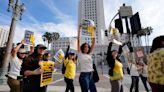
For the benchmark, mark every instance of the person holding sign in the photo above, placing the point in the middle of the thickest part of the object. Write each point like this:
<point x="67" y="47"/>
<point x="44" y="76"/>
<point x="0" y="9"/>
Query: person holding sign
<point x="115" y="69"/>
<point x="70" y="71"/>
<point x="32" y="72"/>
<point x="86" y="63"/>
<point x="18" y="53"/>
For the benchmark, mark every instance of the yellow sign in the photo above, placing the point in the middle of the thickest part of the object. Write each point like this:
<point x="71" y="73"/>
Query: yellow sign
<point x="32" y="39"/>
<point x="47" y="75"/>
<point x="91" y="30"/>
<point x="59" y="56"/>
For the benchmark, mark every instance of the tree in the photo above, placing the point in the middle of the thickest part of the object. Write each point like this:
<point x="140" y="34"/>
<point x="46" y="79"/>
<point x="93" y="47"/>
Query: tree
<point x="49" y="37"/>
<point x="146" y="33"/>
<point x="55" y="36"/>
<point x="44" y="39"/>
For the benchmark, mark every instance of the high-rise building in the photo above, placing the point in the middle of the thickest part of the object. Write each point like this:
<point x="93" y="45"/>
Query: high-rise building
<point x="94" y="10"/>
<point x="3" y="37"/>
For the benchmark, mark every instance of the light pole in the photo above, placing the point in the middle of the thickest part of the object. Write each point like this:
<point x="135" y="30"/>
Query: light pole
<point x="17" y="9"/>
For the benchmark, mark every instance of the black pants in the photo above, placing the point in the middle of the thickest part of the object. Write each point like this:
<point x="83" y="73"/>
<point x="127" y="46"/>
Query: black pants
<point x="144" y="81"/>
<point x="134" y="84"/>
<point x="32" y="86"/>
<point x="69" y="84"/>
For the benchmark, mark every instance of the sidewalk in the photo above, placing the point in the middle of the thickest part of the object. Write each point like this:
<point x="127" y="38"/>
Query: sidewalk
<point x="5" y="88"/>
<point x="102" y="86"/>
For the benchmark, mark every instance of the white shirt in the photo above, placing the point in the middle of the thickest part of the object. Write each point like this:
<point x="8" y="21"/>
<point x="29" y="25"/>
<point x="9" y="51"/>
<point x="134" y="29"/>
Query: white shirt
<point x="15" y="66"/>
<point x="144" y="72"/>
<point x="133" y="70"/>
<point x="85" y="61"/>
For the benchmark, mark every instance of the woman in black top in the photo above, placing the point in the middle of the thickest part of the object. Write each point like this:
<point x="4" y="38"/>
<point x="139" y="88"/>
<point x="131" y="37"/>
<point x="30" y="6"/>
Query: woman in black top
<point x="32" y="72"/>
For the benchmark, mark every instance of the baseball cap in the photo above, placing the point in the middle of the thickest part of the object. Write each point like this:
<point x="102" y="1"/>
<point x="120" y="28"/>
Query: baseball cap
<point x="41" y="46"/>
<point x="71" y="53"/>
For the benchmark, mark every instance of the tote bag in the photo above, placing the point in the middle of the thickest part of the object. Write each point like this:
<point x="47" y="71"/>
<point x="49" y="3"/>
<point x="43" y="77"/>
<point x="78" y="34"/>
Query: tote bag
<point x="95" y="74"/>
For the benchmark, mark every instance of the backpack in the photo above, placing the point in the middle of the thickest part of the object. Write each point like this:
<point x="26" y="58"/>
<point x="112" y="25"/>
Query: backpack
<point x="64" y="68"/>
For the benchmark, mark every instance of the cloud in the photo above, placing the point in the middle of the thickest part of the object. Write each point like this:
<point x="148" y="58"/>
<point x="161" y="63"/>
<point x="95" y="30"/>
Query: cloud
<point x="57" y="13"/>
<point x="151" y="13"/>
<point x="66" y="26"/>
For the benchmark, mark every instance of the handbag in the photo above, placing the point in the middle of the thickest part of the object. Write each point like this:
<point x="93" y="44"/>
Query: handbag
<point x="95" y="74"/>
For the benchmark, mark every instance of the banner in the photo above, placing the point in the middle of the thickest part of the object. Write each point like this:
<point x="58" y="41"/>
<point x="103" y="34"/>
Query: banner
<point x="47" y="76"/>
<point x="59" y="56"/>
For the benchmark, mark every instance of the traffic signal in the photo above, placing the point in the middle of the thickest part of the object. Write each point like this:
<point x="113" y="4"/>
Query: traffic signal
<point x="118" y="25"/>
<point x="106" y="32"/>
<point x="135" y="23"/>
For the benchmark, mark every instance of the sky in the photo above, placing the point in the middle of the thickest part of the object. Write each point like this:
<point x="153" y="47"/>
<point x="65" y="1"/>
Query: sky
<point x="62" y="16"/>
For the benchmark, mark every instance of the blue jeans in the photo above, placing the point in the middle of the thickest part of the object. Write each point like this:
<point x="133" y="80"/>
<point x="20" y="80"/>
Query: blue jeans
<point x="87" y="82"/>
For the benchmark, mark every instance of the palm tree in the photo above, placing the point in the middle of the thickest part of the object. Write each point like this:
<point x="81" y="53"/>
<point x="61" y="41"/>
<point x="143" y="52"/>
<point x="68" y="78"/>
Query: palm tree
<point x="44" y="39"/>
<point x="145" y="32"/>
<point x="55" y="36"/>
<point x="148" y="31"/>
<point x="47" y="36"/>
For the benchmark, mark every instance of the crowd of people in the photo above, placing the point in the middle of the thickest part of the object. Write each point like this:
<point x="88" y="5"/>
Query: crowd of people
<point x="24" y="72"/>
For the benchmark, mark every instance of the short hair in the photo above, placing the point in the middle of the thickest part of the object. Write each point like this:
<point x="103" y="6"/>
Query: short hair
<point x="157" y="43"/>
<point x="83" y="46"/>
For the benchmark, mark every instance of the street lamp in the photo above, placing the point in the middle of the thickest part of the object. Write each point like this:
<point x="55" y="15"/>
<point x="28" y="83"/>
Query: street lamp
<point x="110" y="27"/>
<point x="17" y="9"/>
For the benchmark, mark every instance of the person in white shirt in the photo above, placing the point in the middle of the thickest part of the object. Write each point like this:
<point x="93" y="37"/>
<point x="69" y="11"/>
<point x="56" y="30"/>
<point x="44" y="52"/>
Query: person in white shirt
<point x="86" y="65"/>
<point x="134" y="76"/>
<point x="17" y="55"/>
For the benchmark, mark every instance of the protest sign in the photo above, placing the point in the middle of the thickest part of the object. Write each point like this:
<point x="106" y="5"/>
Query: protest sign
<point x="88" y="28"/>
<point x="59" y="56"/>
<point x="140" y="53"/>
<point x="73" y="43"/>
<point x="29" y="39"/>
<point x="46" y="76"/>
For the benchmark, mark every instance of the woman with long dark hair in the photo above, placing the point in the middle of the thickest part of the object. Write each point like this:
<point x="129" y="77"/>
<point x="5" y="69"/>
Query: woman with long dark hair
<point x="86" y="65"/>
<point x="115" y="69"/>
<point x="156" y="65"/>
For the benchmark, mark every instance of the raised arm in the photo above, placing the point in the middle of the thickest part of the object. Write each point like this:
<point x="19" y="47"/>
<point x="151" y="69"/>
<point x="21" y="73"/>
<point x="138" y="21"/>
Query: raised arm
<point x="66" y="54"/>
<point x="78" y="39"/>
<point x="93" y="41"/>
<point x="15" y="50"/>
